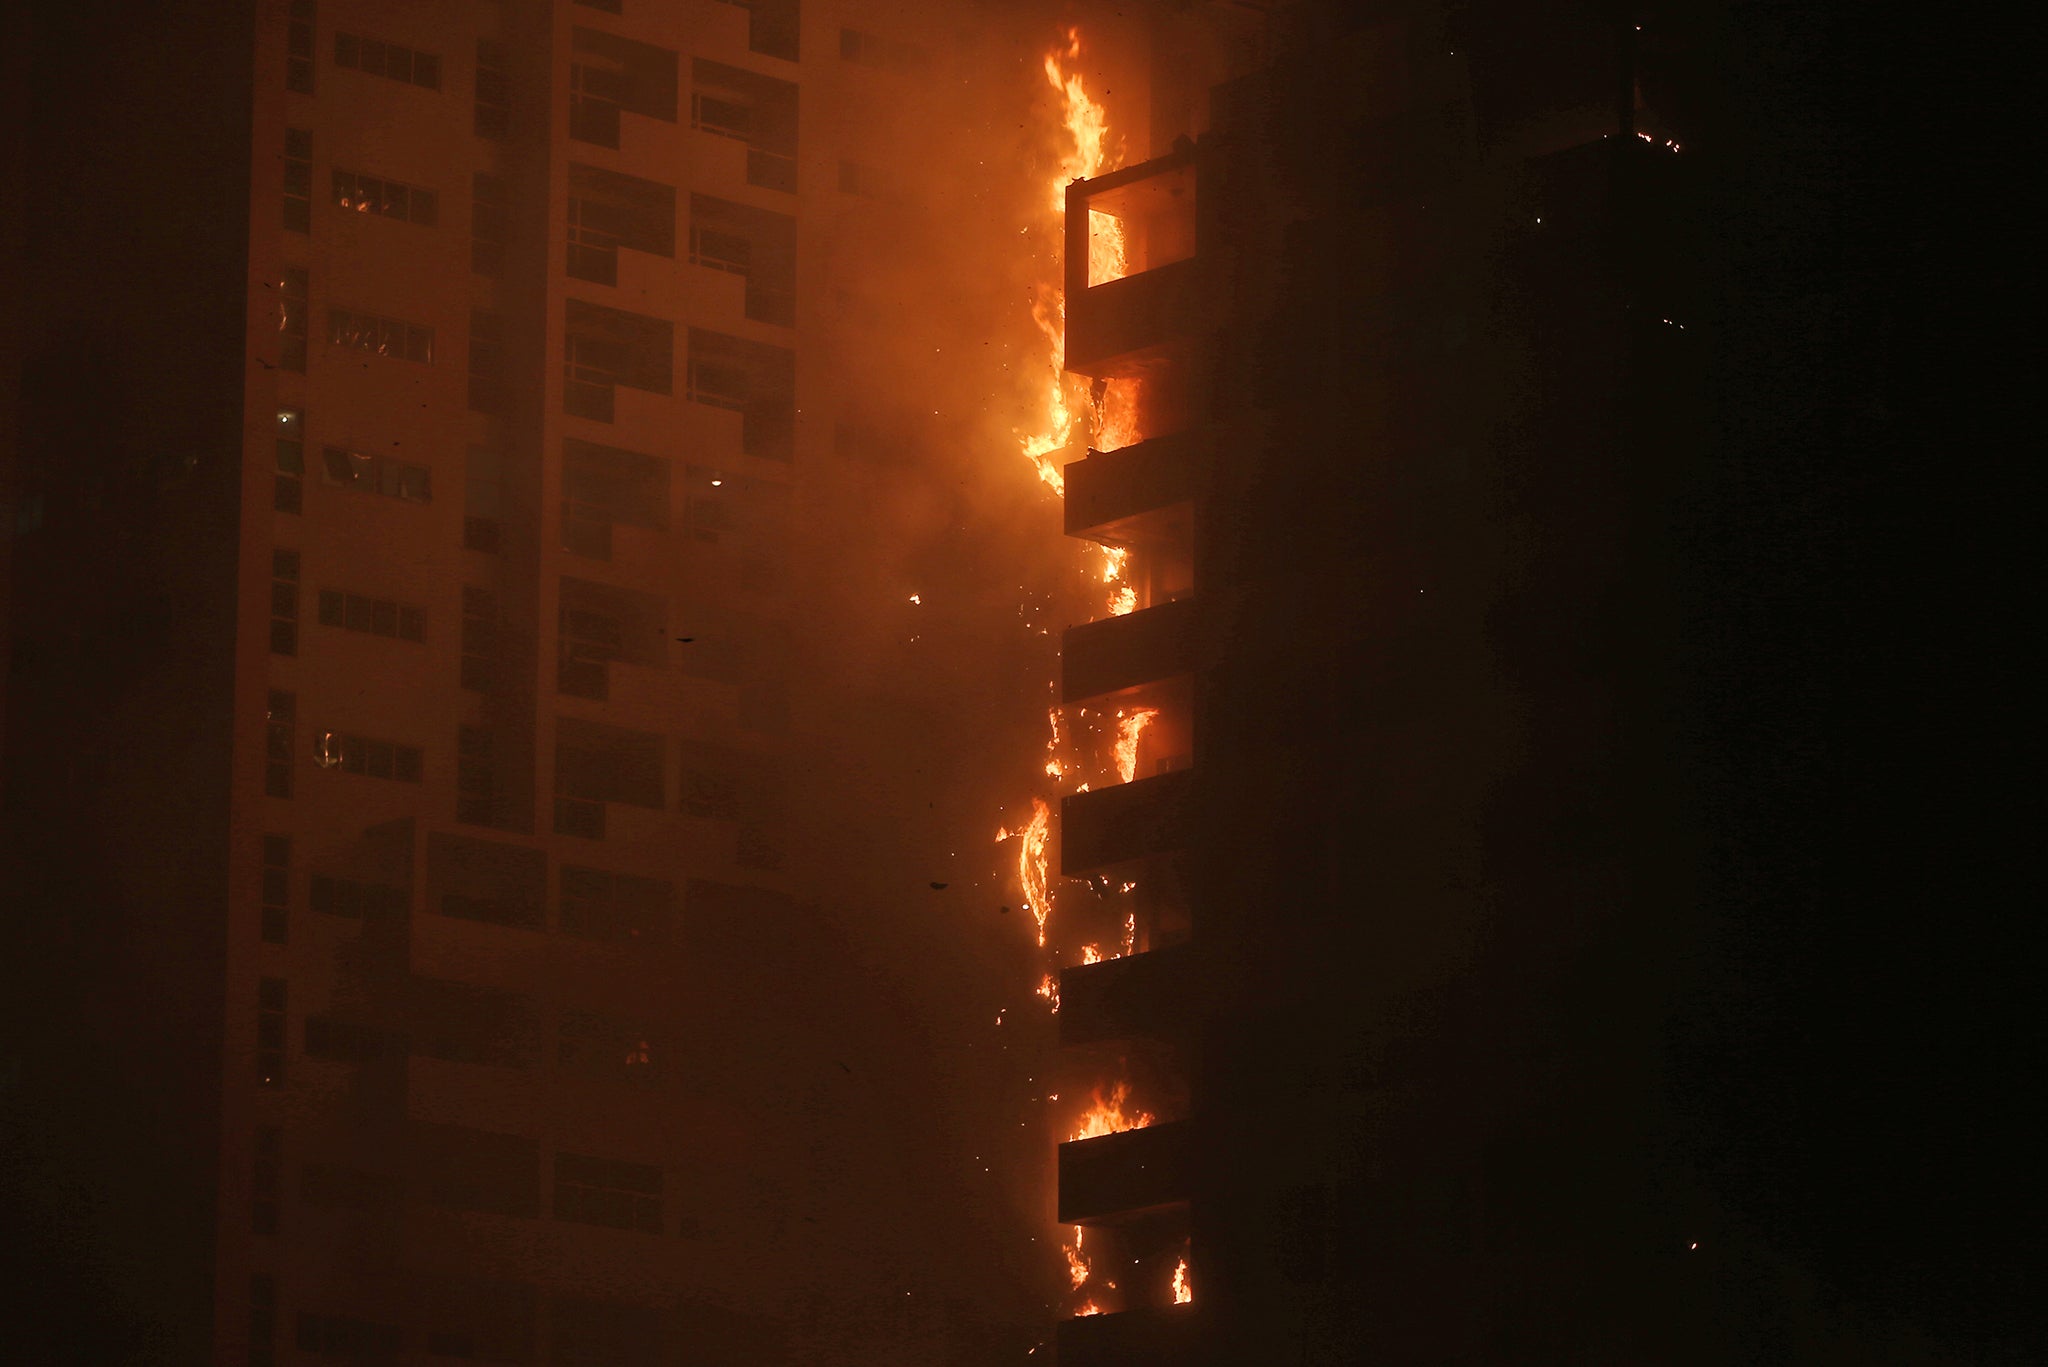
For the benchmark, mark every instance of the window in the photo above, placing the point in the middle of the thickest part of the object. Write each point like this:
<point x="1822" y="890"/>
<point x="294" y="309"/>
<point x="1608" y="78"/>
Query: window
<point x="350" y="1041"/>
<point x="476" y="777"/>
<point x="346" y="1336"/>
<point x="389" y="60"/>
<point x="479" y="639"/>
<point x="754" y="379"/>
<point x="270" y="1032"/>
<point x="487" y="880"/>
<point x="386" y="198"/>
<point x="264" y="1189"/>
<point x="384" y="336"/>
<point x="493" y="90"/>
<point x="486" y="362"/>
<point x="597" y="764"/>
<point x="740" y="522"/>
<point x="609" y="210"/>
<point x="606" y="348"/>
<point x="298" y="180"/>
<point x="710" y="782"/>
<point x="604" y="486"/>
<point x="605" y="1191"/>
<point x="464" y="1023"/>
<point x="384" y="475"/>
<point x="487" y="224"/>
<point x="284" y="602"/>
<point x="298" y="48"/>
<point x="376" y="616"/>
<point x="610" y="76"/>
<point x="602" y="623"/>
<point x="291" y="320"/>
<point x="772" y="26"/>
<point x="754" y="243"/>
<point x="291" y="460"/>
<point x="262" y="1320"/>
<point x="331" y="896"/>
<point x="615" y="907"/>
<point x="483" y="498"/>
<point x="465" y="1169"/>
<point x="606" y="1048"/>
<point x="277" y="856"/>
<point x="368" y="757"/>
<point x="755" y="109"/>
<point x="277" y="746"/>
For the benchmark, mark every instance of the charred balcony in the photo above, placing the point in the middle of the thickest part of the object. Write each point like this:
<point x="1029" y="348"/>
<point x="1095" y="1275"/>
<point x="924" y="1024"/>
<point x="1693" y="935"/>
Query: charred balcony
<point x="1140" y="495"/>
<point x="1131" y="1175"/>
<point x="1154" y="1336"/>
<point x="1118" y="654"/>
<point x="1132" y="286"/>
<point x="1111" y="826"/>
<point x="1138" y="996"/>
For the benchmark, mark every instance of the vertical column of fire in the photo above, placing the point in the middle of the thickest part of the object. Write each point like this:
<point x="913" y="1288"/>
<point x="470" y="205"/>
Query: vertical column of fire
<point x="1106" y="417"/>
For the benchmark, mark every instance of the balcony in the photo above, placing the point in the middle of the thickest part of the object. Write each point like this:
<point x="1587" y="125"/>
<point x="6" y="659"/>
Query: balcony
<point x="1156" y="1336"/>
<point x="1139" y="996"/>
<point x="1118" y="1176"/>
<point x="1139" y="494"/>
<point x="1130" y="821"/>
<point x="1133" y="286"/>
<point x="1119" y="653"/>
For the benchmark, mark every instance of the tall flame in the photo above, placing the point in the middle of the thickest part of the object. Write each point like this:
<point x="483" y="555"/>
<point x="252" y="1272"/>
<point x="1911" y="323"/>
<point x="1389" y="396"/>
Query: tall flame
<point x="1182" y="1294"/>
<point x="1129" y="726"/>
<point x="1033" y="864"/>
<point x="1107" y="1115"/>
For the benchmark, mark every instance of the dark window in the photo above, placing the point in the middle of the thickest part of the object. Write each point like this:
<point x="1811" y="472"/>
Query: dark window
<point x="755" y="109"/>
<point x="377" y="616"/>
<point x="464" y="1023"/>
<point x="479" y="640"/>
<point x="487" y="880"/>
<point x="464" y="1169"/>
<point x="389" y="60"/>
<point x="298" y="180"/>
<point x="488" y="220"/>
<point x="287" y="492"/>
<point x="333" y="896"/>
<point x="486" y="362"/>
<point x="742" y="523"/>
<point x="270" y="1030"/>
<point x="605" y="348"/>
<point x="384" y="336"/>
<point x="602" y="623"/>
<point x="607" y="485"/>
<point x="385" y="198"/>
<point x="607" y="1048"/>
<point x="616" y="907"/>
<point x="493" y="90"/>
<point x="755" y="243"/>
<point x="476" y="776"/>
<point x="284" y="602"/>
<point x="598" y="764"/>
<point x="605" y="1191"/>
<point x="754" y="379"/>
<point x="346" y="1336"/>
<point x="483" y="500"/>
<point x="277" y="745"/>
<point x="291" y="320"/>
<point x="610" y="76"/>
<point x="376" y="475"/>
<point x="263" y="1194"/>
<point x="262" y="1320"/>
<point x="351" y="1041"/>
<point x="277" y="855"/>
<point x="367" y="756"/>
<point x="298" y="48"/>
<point x="772" y="26"/>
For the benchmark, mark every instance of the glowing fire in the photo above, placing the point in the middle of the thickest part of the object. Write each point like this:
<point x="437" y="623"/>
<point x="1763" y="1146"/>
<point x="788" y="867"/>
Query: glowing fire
<point x="1032" y="865"/>
<point x="1090" y="954"/>
<point x="1107" y="1116"/>
<point x="1129" y="726"/>
<point x="1049" y="988"/>
<point x="1182" y="1294"/>
<point x="1089" y="1308"/>
<point x="1077" y="1261"/>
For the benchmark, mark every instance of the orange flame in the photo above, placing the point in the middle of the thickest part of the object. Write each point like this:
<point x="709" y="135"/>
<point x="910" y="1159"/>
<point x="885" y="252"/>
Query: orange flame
<point x="1181" y="1292"/>
<point x="1107" y="1115"/>
<point x="1129" y="726"/>
<point x="1049" y="988"/>
<point x="1088" y="1308"/>
<point x="1077" y="1261"/>
<point x="1033" y="865"/>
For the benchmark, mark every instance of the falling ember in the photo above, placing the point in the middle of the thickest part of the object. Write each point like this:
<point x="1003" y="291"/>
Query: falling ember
<point x="1181" y="1293"/>
<point x="1129" y="726"/>
<point x="1033" y="865"/>
<point x="1107" y="1116"/>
